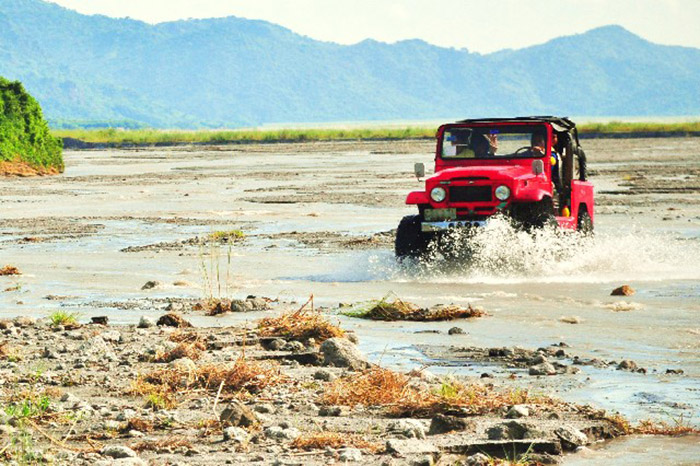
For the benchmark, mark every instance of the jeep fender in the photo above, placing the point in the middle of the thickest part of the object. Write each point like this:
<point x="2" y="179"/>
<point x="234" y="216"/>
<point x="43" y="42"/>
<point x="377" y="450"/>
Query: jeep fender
<point x="417" y="197"/>
<point x="529" y="193"/>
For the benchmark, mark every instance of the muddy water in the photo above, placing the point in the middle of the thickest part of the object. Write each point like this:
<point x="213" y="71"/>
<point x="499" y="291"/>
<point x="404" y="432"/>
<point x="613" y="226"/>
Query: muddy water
<point x="67" y="235"/>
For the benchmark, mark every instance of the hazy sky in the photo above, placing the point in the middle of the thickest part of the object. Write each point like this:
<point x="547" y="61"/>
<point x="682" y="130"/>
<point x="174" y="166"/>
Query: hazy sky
<point x="480" y="26"/>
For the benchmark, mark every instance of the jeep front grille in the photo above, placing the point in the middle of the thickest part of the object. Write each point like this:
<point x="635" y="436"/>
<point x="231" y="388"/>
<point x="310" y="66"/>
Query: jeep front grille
<point x="470" y="193"/>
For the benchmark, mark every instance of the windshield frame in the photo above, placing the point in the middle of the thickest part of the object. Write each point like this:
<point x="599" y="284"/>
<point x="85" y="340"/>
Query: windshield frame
<point x="527" y="127"/>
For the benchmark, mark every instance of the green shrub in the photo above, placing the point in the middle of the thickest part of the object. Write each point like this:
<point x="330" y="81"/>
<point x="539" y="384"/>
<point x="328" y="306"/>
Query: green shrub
<point x="24" y="134"/>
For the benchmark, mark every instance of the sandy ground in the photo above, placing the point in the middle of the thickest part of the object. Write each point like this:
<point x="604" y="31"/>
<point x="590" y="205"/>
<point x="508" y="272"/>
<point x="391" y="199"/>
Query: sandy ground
<point x="318" y="217"/>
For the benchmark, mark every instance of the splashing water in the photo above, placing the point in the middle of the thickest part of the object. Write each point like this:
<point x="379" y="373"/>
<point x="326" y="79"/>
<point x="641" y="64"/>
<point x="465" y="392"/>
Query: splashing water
<point x="499" y="253"/>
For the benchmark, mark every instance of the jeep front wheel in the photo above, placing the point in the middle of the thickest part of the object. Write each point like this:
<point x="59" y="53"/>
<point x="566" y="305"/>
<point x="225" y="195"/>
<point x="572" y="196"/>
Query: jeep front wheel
<point x="410" y="240"/>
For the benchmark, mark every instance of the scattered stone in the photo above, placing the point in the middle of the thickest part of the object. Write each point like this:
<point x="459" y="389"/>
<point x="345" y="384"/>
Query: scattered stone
<point x="624" y="290"/>
<point x="350" y="455"/>
<point x="627" y="365"/>
<point x="456" y="331"/>
<point x="340" y="352"/>
<point x="325" y="375"/>
<point x="675" y="371"/>
<point x="276" y="345"/>
<point x="410" y="447"/>
<point x="330" y="411"/>
<point x="118" y="451"/>
<point x="173" y="320"/>
<point x="443" y="423"/>
<point x="280" y="432"/>
<point x="294" y="346"/>
<point x="183" y="365"/>
<point x="100" y="320"/>
<point x="571" y="438"/>
<point x="514" y="430"/>
<point x="478" y="459"/>
<point x="146" y="322"/>
<point x="542" y="369"/>
<point x="238" y="414"/>
<point x="517" y="412"/>
<point x="408" y="428"/>
<point x="570" y="319"/>
<point x="24" y="321"/>
<point x="149" y="285"/>
<point x="235" y="434"/>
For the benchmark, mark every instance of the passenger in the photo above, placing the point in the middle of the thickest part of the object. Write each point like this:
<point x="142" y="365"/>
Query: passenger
<point x="481" y="145"/>
<point x="538" y="143"/>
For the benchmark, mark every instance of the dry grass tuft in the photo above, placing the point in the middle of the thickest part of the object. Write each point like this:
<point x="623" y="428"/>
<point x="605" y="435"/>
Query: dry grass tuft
<point x="680" y="427"/>
<point x="142" y="425"/>
<point x="402" y="310"/>
<point x="383" y="388"/>
<point x="300" y="325"/>
<point x="184" y="336"/>
<point x="9" y="352"/>
<point x="155" y="445"/>
<point x="241" y="376"/>
<point x="9" y="270"/>
<point x="321" y="440"/>
<point x="183" y="350"/>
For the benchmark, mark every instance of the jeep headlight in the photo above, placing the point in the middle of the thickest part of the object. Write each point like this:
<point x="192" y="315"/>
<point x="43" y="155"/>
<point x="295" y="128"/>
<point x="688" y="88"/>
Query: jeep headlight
<point x="502" y="193"/>
<point x="438" y="194"/>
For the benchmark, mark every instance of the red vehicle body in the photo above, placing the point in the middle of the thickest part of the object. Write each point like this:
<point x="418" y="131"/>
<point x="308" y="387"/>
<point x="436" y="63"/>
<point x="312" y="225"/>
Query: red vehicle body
<point x="541" y="182"/>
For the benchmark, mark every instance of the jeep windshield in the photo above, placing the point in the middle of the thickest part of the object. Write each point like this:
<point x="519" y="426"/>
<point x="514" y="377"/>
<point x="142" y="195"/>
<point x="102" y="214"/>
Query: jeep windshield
<point x="497" y="141"/>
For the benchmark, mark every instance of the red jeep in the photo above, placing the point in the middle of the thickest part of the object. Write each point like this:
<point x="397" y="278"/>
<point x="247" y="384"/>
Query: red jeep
<point x="531" y="169"/>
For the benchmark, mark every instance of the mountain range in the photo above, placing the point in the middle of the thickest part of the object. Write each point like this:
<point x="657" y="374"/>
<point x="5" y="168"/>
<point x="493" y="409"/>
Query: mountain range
<point x="228" y="72"/>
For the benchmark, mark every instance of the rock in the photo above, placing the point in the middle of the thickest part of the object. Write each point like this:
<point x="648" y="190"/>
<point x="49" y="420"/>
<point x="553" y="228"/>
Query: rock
<point x="330" y="411"/>
<point x="517" y="411"/>
<point x="514" y="430"/>
<point x="49" y="354"/>
<point x="350" y="455"/>
<point x="276" y="345"/>
<point x="340" y="352"/>
<point x="627" y="365"/>
<point x="442" y="423"/>
<point x="125" y="462"/>
<point x="542" y="369"/>
<point x="571" y="438"/>
<point x="146" y="322"/>
<point x="539" y="359"/>
<point x="135" y="434"/>
<point x="426" y="460"/>
<point x="264" y="408"/>
<point x="173" y="320"/>
<point x="543" y="458"/>
<point x="410" y="447"/>
<point x="149" y="285"/>
<point x="100" y="320"/>
<point x="69" y="398"/>
<point x="96" y="349"/>
<point x="570" y="319"/>
<point x="478" y="459"/>
<point x="238" y="414"/>
<point x="279" y="432"/>
<point x="126" y="414"/>
<point x="456" y="331"/>
<point x="235" y="434"/>
<point x="408" y="428"/>
<point x="118" y="451"/>
<point x="24" y="321"/>
<point x="183" y="365"/>
<point x="113" y="336"/>
<point x="325" y="375"/>
<point x="294" y="347"/>
<point x="624" y="290"/>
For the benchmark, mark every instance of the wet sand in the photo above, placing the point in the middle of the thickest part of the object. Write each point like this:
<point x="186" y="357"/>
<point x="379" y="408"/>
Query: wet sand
<point x="317" y="218"/>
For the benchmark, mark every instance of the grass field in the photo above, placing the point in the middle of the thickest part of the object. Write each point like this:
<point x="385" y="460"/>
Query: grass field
<point x="155" y="136"/>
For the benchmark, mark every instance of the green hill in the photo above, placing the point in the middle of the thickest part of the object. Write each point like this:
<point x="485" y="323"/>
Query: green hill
<point x="24" y="134"/>
<point x="228" y="72"/>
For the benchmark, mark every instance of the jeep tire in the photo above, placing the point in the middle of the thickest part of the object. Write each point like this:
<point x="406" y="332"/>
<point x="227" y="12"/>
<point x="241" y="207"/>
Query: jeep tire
<point x="410" y="240"/>
<point x="584" y="224"/>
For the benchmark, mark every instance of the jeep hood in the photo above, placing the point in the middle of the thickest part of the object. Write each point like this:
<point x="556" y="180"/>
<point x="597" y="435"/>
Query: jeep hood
<point x="484" y="171"/>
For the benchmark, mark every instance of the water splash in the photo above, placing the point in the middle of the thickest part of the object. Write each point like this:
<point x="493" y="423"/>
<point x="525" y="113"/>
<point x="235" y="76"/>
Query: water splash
<point x="500" y="253"/>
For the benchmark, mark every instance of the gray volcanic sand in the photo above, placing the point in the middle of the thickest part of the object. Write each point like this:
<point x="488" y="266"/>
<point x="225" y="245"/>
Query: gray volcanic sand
<point x="318" y="219"/>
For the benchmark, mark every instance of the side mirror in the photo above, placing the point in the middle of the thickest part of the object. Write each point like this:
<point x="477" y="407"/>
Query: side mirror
<point x="537" y="167"/>
<point x="419" y="170"/>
